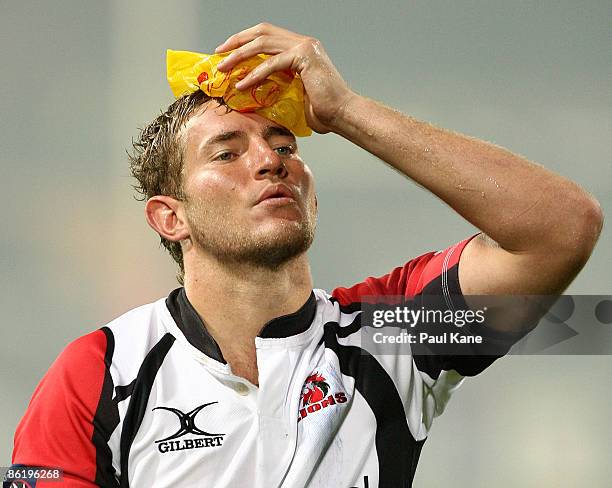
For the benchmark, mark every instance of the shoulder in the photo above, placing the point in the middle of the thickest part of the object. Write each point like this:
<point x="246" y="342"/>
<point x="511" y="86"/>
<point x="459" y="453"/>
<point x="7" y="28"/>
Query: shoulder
<point x="132" y="335"/>
<point x="75" y="406"/>
<point x="434" y="272"/>
<point x="77" y="372"/>
<point x="83" y="351"/>
<point x="57" y="421"/>
<point x="119" y="345"/>
<point x="92" y="347"/>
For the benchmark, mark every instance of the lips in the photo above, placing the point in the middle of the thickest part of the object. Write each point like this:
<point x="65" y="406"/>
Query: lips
<point x="276" y="192"/>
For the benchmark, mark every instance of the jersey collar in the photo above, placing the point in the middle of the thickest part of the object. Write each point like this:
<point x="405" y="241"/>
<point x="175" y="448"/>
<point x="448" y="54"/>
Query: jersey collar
<point x="195" y="331"/>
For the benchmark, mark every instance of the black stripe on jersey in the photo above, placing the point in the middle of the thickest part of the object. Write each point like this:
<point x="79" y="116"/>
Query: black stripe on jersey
<point x="123" y="391"/>
<point x="140" y="397"/>
<point x="105" y="420"/>
<point x="347" y="308"/>
<point x="465" y="365"/>
<point x="398" y="451"/>
<point x="353" y="327"/>
<point x="434" y="287"/>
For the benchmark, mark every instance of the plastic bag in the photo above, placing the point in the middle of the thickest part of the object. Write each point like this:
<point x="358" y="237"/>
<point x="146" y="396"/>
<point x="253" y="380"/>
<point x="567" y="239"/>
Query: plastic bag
<point x="280" y="97"/>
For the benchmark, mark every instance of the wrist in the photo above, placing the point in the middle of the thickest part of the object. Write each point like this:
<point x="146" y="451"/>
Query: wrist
<point x="341" y="116"/>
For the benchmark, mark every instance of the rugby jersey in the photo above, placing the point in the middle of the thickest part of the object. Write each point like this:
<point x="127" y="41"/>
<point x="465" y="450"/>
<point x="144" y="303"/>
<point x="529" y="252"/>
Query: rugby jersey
<point x="149" y="401"/>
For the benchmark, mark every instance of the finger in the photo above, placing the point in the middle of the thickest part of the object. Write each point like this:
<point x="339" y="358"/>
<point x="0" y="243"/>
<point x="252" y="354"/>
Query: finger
<point x="264" y="44"/>
<point x="271" y="65"/>
<point x="251" y="33"/>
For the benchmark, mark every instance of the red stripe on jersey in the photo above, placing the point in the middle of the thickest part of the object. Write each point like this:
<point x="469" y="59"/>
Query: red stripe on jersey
<point x="408" y="280"/>
<point x="57" y="428"/>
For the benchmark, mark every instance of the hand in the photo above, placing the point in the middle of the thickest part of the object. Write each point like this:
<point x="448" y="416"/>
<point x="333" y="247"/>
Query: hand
<point x="326" y="93"/>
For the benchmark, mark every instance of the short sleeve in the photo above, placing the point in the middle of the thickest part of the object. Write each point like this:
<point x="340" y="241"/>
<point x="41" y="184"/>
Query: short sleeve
<point x="70" y="417"/>
<point x="431" y="273"/>
<point x="434" y="274"/>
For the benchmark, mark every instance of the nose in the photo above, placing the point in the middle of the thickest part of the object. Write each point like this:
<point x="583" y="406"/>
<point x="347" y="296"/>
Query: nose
<point x="268" y="163"/>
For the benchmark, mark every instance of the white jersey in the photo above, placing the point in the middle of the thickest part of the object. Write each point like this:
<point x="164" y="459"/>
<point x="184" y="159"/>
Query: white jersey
<point x="149" y="401"/>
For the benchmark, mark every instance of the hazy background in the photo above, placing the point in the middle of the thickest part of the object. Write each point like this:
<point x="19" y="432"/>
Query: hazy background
<point x="78" y="78"/>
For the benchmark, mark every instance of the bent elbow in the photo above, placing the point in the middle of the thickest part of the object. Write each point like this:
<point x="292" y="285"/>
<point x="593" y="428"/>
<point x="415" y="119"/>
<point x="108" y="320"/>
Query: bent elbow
<point x="586" y="229"/>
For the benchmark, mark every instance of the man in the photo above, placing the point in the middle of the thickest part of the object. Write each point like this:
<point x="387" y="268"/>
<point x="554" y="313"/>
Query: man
<point x="246" y="376"/>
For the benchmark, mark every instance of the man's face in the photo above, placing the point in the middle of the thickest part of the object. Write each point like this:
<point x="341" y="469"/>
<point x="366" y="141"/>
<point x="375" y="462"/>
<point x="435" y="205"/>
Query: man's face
<point x="249" y="197"/>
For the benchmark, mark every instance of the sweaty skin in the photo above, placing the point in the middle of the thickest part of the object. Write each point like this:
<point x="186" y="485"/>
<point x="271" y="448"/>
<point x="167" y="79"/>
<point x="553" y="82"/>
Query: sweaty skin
<point x="538" y="228"/>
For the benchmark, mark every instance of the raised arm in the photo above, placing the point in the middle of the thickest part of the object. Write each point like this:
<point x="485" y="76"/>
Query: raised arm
<point x="539" y="228"/>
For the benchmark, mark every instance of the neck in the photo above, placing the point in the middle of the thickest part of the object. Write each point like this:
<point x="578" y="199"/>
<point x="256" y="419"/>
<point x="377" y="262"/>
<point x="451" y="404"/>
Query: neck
<point x="236" y="301"/>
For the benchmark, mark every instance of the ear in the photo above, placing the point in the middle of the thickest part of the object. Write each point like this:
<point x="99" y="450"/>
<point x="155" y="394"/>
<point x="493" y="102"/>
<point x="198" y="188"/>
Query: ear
<point x="166" y="217"/>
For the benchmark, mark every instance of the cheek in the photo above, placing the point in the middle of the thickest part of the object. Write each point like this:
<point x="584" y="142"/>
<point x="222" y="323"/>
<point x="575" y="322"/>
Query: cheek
<point x="212" y="187"/>
<point x="300" y="175"/>
<point x="308" y="188"/>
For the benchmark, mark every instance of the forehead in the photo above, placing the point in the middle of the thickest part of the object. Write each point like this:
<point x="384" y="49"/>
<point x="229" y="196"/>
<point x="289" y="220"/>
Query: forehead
<point x="212" y="119"/>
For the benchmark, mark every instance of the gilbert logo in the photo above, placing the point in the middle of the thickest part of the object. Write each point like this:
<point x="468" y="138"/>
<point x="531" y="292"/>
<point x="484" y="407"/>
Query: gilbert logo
<point x="188" y="426"/>
<point x="315" y="395"/>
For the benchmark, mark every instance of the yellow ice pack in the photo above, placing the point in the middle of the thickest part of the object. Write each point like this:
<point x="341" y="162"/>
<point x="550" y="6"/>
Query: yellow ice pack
<point x="280" y="97"/>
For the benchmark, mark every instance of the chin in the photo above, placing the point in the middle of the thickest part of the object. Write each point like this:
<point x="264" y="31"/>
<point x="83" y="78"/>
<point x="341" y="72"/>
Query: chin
<point x="274" y="245"/>
<point x="269" y="243"/>
<point x="277" y="227"/>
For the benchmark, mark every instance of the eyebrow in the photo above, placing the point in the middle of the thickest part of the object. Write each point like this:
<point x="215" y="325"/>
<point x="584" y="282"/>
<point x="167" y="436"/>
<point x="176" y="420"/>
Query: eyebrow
<point x="222" y="137"/>
<point x="267" y="133"/>
<point x="274" y="130"/>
